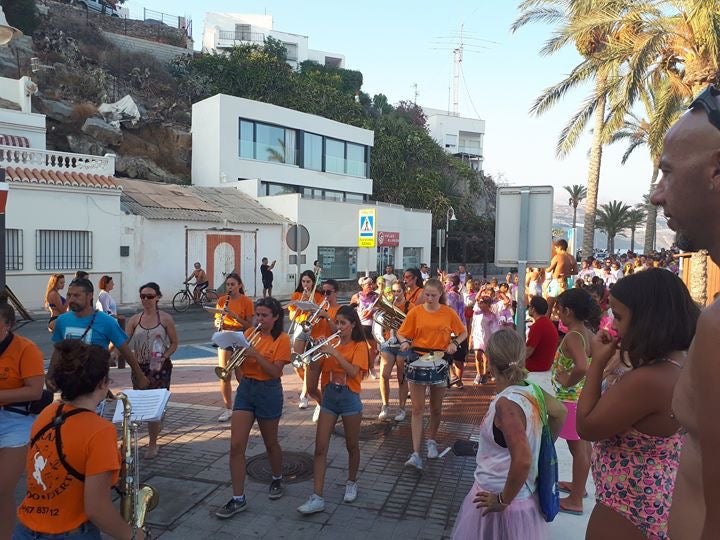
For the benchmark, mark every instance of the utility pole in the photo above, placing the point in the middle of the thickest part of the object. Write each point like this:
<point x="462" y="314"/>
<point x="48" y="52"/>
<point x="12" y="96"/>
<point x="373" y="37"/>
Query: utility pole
<point x="457" y="60"/>
<point x="415" y="93"/>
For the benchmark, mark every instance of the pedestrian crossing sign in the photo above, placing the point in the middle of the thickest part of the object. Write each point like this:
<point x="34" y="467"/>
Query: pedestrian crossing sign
<point x="366" y="228"/>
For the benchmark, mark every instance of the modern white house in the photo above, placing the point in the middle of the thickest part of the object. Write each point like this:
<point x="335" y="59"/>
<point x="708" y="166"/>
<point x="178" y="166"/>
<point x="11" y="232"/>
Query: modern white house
<point x="311" y="170"/>
<point x="457" y="135"/>
<point x="223" y="31"/>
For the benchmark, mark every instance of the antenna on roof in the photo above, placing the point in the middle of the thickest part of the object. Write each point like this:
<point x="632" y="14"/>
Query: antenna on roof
<point x="36" y="66"/>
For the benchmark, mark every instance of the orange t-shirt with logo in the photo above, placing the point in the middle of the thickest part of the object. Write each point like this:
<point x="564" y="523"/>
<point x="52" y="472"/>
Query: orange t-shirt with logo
<point x="54" y="502"/>
<point x="431" y="330"/>
<point x="242" y="306"/>
<point x="273" y="350"/>
<point x="21" y="360"/>
<point x="356" y="353"/>
<point x="304" y="315"/>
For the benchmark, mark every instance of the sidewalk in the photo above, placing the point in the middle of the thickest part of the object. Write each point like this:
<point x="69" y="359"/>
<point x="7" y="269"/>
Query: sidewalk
<point x="192" y="475"/>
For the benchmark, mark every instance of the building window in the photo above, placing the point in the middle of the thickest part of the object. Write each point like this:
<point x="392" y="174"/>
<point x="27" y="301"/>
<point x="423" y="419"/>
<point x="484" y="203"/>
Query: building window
<point x="292" y="51"/>
<point x="338" y="262"/>
<point x="313" y="151"/>
<point x="63" y="250"/>
<point x="411" y="257"/>
<point x="13" y="249"/>
<point x="331" y="61"/>
<point x="243" y="32"/>
<point x="270" y="188"/>
<point x="247" y="139"/>
<point x="266" y="142"/>
<point x="355" y="160"/>
<point x="334" y="156"/>
<point x="331" y="195"/>
<point x="354" y="197"/>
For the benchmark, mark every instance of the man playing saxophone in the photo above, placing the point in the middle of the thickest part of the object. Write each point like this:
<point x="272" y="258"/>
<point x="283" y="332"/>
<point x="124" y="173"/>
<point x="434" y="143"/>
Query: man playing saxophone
<point x="69" y="492"/>
<point x="259" y="397"/>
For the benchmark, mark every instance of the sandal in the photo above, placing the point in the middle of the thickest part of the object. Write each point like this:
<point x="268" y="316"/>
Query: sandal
<point x="565" y="487"/>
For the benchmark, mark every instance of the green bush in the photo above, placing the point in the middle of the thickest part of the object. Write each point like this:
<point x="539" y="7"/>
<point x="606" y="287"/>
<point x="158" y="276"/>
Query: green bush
<point x="22" y="14"/>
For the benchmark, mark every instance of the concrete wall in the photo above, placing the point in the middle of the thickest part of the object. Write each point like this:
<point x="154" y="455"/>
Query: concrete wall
<point x="160" y="51"/>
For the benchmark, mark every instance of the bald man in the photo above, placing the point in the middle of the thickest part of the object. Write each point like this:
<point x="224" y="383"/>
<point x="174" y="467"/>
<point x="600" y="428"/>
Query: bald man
<point x="689" y="193"/>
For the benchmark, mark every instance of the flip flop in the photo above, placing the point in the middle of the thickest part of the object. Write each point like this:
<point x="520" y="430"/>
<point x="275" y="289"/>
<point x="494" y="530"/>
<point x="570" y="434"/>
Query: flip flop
<point x="573" y="512"/>
<point x="562" y="486"/>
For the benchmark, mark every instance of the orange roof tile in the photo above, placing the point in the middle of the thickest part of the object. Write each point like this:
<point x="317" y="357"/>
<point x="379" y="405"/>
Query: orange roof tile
<point x="60" y="178"/>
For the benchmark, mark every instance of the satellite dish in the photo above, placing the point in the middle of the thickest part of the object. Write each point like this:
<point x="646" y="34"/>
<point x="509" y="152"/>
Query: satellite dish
<point x="7" y="32"/>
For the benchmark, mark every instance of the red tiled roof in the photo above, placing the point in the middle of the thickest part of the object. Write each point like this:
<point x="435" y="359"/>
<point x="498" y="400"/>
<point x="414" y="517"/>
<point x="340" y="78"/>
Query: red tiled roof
<point x="60" y="178"/>
<point x="14" y="140"/>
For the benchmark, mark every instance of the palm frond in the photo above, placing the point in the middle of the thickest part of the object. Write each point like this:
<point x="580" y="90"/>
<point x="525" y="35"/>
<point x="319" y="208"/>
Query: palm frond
<point x="547" y="15"/>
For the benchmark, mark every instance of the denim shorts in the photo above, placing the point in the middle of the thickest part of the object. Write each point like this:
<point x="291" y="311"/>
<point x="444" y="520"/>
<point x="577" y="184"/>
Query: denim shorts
<point x="391" y="347"/>
<point x="339" y="400"/>
<point x="86" y="531"/>
<point x="262" y="398"/>
<point x="15" y="429"/>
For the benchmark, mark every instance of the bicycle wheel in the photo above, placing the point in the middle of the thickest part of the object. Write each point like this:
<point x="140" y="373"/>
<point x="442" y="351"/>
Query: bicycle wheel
<point x="181" y="301"/>
<point x="210" y="296"/>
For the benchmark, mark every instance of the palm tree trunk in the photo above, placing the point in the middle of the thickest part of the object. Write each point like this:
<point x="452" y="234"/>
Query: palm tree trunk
<point x="574" y="217"/>
<point x="593" y="181"/>
<point x="651" y="224"/>
<point x="632" y="239"/>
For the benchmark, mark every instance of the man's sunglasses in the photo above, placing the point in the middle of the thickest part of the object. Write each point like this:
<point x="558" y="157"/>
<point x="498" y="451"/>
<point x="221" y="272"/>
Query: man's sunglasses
<point x="707" y="99"/>
<point x="327" y="292"/>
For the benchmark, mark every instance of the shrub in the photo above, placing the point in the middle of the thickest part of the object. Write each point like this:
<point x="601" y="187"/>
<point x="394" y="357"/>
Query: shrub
<point x="83" y="111"/>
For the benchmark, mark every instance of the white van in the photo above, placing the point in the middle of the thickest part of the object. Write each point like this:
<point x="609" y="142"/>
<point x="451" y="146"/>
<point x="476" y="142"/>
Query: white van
<point x="97" y="5"/>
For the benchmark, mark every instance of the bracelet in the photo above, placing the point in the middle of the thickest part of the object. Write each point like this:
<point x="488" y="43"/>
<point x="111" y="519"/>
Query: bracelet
<point x="500" y="500"/>
<point x="455" y="341"/>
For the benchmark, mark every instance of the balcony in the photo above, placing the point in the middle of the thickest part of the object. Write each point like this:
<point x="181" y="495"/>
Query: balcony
<point x="231" y="38"/>
<point x="31" y="158"/>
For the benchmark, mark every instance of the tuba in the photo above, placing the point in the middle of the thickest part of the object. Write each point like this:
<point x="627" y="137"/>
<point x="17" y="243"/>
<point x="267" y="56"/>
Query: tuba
<point x="312" y="354"/>
<point x="238" y="356"/>
<point x="136" y="499"/>
<point x="387" y="315"/>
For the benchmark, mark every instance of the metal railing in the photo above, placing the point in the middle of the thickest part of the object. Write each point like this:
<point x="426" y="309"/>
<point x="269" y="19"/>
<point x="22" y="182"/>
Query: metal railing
<point x="15" y="156"/>
<point x="233" y="35"/>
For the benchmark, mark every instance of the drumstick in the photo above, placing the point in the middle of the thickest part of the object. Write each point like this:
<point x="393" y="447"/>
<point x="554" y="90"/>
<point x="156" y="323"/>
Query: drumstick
<point x="444" y="452"/>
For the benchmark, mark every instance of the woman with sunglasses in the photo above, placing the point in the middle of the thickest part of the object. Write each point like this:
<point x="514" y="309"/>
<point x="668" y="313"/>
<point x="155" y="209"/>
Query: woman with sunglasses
<point x="413" y="281"/>
<point x="236" y="314"/>
<point x="153" y="339"/>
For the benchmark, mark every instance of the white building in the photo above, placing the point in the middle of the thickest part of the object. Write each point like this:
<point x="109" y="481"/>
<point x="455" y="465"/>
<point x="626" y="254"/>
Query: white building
<point x="459" y="136"/>
<point x="223" y="31"/>
<point x="310" y="170"/>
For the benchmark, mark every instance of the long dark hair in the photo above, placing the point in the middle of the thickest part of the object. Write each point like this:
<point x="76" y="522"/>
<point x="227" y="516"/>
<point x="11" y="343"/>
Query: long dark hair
<point x="78" y="368"/>
<point x="583" y="306"/>
<point x="236" y="277"/>
<point x="351" y="315"/>
<point x="308" y="273"/>
<point x="418" y="276"/>
<point x="663" y="316"/>
<point x="277" y="311"/>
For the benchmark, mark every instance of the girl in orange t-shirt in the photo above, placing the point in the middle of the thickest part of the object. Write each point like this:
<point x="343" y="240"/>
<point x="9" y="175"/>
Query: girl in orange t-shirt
<point x="71" y="495"/>
<point x="237" y="314"/>
<point x="342" y="370"/>
<point x="259" y="397"/>
<point x="429" y="327"/>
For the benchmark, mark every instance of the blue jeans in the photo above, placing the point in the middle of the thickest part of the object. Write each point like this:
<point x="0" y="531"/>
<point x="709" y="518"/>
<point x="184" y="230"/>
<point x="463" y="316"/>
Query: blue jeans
<point x="339" y="400"/>
<point x="86" y="531"/>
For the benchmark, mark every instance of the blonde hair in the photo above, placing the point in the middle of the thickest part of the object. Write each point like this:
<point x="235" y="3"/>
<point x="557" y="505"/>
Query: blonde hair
<point x="52" y="283"/>
<point x="506" y="352"/>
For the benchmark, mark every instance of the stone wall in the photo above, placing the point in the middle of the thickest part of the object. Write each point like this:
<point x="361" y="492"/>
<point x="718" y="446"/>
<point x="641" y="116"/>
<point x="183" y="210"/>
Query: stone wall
<point x="161" y="51"/>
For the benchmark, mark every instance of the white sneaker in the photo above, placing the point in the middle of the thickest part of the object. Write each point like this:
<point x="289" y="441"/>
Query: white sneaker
<point x="316" y="414"/>
<point x="303" y="402"/>
<point x="432" y="452"/>
<point x="373" y="374"/>
<point x="383" y="413"/>
<point x="478" y="378"/>
<point x="225" y="416"/>
<point x="350" y="491"/>
<point x="400" y="416"/>
<point x="414" y="461"/>
<point x="313" y="505"/>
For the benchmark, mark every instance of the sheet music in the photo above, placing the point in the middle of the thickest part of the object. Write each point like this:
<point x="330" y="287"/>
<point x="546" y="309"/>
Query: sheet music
<point x="147" y="405"/>
<point x="230" y="339"/>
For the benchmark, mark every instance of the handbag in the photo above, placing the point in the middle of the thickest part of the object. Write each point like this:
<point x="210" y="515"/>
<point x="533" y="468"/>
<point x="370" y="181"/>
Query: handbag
<point x="31" y="407"/>
<point x="547" y="481"/>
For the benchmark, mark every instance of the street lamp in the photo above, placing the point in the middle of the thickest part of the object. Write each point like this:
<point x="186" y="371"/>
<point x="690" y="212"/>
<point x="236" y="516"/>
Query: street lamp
<point x="7" y="32"/>
<point x="450" y="216"/>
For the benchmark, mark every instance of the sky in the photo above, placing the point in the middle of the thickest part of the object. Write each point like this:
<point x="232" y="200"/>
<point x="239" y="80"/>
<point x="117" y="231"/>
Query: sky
<point x="399" y="44"/>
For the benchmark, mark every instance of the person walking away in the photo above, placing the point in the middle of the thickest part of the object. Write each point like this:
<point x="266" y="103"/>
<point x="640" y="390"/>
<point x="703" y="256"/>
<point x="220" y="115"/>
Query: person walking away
<point x="542" y="343"/>
<point x="266" y="275"/>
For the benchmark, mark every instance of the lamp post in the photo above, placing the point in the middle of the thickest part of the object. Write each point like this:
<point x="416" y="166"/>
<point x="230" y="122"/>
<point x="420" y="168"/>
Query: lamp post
<point x="450" y="216"/>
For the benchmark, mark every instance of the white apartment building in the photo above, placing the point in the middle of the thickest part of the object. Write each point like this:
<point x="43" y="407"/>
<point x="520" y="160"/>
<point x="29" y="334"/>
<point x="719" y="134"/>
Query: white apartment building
<point x="310" y="170"/>
<point x="223" y="31"/>
<point x="459" y="136"/>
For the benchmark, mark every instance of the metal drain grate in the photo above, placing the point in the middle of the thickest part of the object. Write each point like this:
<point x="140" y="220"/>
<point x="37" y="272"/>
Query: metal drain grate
<point x="297" y="467"/>
<point x="370" y="428"/>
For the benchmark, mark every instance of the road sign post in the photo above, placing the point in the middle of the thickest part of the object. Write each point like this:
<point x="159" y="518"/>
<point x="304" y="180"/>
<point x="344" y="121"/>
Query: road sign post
<point x="297" y="239"/>
<point x="367" y="233"/>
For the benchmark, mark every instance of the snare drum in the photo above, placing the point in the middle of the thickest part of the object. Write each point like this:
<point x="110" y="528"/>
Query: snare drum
<point x="429" y="370"/>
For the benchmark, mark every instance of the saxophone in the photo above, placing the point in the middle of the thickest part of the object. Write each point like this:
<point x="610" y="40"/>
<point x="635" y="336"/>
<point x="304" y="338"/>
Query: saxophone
<point x="136" y="499"/>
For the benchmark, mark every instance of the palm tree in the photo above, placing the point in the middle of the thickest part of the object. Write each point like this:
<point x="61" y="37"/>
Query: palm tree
<point x="636" y="217"/>
<point x="613" y="219"/>
<point x="590" y="25"/>
<point x="577" y="194"/>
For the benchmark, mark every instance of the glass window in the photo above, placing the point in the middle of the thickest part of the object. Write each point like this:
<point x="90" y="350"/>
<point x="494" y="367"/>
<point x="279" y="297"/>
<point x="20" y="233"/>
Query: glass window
<point x="247" y="144"/>
<point x="292" y="50"/>
<point x="313" y="152"/>
<point x="385" y="256"/>
<point x="356" y="160"/>
<point x="338" y="262"/>
<point x="334" y="156"/>
<point x="280" y="189"/>
<point x="411" y="257"/>
<point x="13" y="249"/>
<point x="354" y="197"/>
<point x="331" y="195"/>
<point x="63" y="250"/>
<point x="270" y="143"/>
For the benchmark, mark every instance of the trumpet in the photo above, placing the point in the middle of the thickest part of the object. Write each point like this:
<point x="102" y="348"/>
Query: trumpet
<point x="313" y="319"/>
<point x="310" y="297"/>
<point x="238" y="356"/>
<point x="387" y="314"/>
<point x="312" y="354"/>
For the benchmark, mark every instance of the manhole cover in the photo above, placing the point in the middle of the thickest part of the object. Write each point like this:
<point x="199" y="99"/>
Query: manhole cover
<point x="370" y="428"/>
<point x="297" y="467"/>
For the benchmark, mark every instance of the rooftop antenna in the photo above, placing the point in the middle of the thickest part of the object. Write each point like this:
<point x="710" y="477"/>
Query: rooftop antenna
<point x="457" y="60"/>
<point x="415" y="93"/>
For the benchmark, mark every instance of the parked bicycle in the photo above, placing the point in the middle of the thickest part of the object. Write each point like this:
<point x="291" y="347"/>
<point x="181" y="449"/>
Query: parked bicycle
<point x="185" y="298"/>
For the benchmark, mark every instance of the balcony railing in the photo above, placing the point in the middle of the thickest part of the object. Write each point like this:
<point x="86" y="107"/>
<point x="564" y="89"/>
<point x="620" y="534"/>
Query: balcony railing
<point x="232" y="35"/>
<point x="33" y="158"/>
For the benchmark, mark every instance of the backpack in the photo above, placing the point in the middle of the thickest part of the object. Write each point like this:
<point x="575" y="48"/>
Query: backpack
<point x="547" y="482"/>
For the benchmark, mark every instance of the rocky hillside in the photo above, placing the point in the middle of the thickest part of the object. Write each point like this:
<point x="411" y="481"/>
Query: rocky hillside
<point x="80" y="71"/>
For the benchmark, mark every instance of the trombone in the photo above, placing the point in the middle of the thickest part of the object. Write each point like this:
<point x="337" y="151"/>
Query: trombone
<point x="292" y="330"/>
<point x="238" y="355"/>
<point x="312" y="354"/>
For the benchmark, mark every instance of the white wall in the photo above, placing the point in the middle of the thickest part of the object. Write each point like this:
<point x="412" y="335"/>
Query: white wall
<point x="30" y="125"/>
<point x="33" y="207"/>
<point x="160" y="51"/>
<point x="319" y="57"/>
<point x="206" y="137"/>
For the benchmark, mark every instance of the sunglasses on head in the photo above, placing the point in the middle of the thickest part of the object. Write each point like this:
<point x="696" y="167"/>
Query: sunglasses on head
<point x="148" y="296"/>
<point x="327" y="292"/>
<point x="707" y="99"/>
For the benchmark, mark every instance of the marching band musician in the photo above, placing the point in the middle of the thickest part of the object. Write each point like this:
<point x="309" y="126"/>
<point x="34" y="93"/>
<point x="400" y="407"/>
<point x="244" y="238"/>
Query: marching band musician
<point x="341" y="373"/>
<point x="428" y="328"/>
<point x="305" y="292"/>
<point x="237" y="314"/>
<point x="259" y="397"/>
<point x="391" y="355"/>
<point x="73" y="459"/>
<point x="413" y="281"/>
